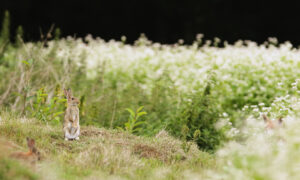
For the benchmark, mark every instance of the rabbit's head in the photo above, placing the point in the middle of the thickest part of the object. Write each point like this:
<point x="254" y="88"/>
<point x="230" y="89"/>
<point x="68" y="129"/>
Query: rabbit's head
<point x="32" y="148"/>
<point x="272" y="124"/>
<point x="72" y="101"/>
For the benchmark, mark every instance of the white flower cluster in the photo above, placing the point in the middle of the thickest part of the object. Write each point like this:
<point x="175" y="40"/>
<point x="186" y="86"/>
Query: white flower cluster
<point x="187" y="67"/>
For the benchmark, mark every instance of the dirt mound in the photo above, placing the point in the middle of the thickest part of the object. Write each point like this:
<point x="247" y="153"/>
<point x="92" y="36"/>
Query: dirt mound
<point x="146" y="151"/>
<point x="92" y="132"/>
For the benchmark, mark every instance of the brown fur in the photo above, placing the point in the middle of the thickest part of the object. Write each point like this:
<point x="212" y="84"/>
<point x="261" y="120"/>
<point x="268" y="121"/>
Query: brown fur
<point x="31" y="156"/>
<point x="71" y="125"/>
<point x="272" y="124"/>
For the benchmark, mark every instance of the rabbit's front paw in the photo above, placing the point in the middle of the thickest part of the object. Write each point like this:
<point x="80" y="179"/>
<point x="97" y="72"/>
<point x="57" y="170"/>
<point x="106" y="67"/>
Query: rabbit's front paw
<point x="66" y="139"/>
<point x="77" y="138"/>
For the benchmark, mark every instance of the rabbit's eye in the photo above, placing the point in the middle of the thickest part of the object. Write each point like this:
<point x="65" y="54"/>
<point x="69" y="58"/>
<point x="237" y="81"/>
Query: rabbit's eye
<point x="72" y="98"/>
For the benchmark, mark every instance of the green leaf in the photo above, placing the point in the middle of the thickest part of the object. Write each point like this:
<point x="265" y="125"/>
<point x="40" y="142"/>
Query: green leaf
<point x="56" y="120"/>
<point x="196" y="134"/>
<point x="120" y="128"/>
<point x="127" y="125"/>
<point x="45" y="109"/>
<point x="138" y="123"/>
<point x="139" y="109"/>
<point x="136" y="130"/>
<point x="131" y="112"/>
<point x="62" y="100"/>
<point x="25" y="62"/>
<point x="141" y="113"/>
<point x="58" y="113"/>
<point x="132" y="123"/>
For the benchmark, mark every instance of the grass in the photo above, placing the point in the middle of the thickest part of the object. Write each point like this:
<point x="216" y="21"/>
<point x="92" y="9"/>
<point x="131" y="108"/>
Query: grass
<point x="99" y="153"/>
<point x="11" y="169"/>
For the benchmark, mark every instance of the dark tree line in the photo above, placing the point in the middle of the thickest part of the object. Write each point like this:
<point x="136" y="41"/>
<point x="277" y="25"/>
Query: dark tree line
<point x="161" y="20"/>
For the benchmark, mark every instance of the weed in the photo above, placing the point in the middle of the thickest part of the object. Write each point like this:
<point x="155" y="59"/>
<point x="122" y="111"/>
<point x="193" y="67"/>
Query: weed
<point x="133" y="123"/>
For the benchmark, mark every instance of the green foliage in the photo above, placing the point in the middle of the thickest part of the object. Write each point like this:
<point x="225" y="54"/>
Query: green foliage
<point x="201" y="117"/>
<point x="48" y="109"/>
<point x="57" y="33"/>
<point x="19" y="36"/>
<point x="133" y="123"/>
<point x="5" y="31"/>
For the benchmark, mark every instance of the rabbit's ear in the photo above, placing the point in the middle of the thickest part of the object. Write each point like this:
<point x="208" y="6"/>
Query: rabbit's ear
<point x="266" y="119"/>
<point x="30" y="143"/>
<point x="280" y="120"/>
<point x="66" y="92"/>
<point x="70" y="92"/>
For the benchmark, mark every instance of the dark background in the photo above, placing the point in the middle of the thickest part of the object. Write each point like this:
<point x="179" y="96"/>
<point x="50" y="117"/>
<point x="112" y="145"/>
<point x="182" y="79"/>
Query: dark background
<point x="163" y="21"/>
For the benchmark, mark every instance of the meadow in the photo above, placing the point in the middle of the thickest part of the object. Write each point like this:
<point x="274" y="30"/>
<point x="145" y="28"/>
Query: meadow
<point x="150" y="110"/>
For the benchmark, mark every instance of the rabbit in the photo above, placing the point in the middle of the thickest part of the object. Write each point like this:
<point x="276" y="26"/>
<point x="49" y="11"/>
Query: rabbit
<point x="272" y="124"/>
<point x="71" y="125"/>
<point x="32" y="155"/>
